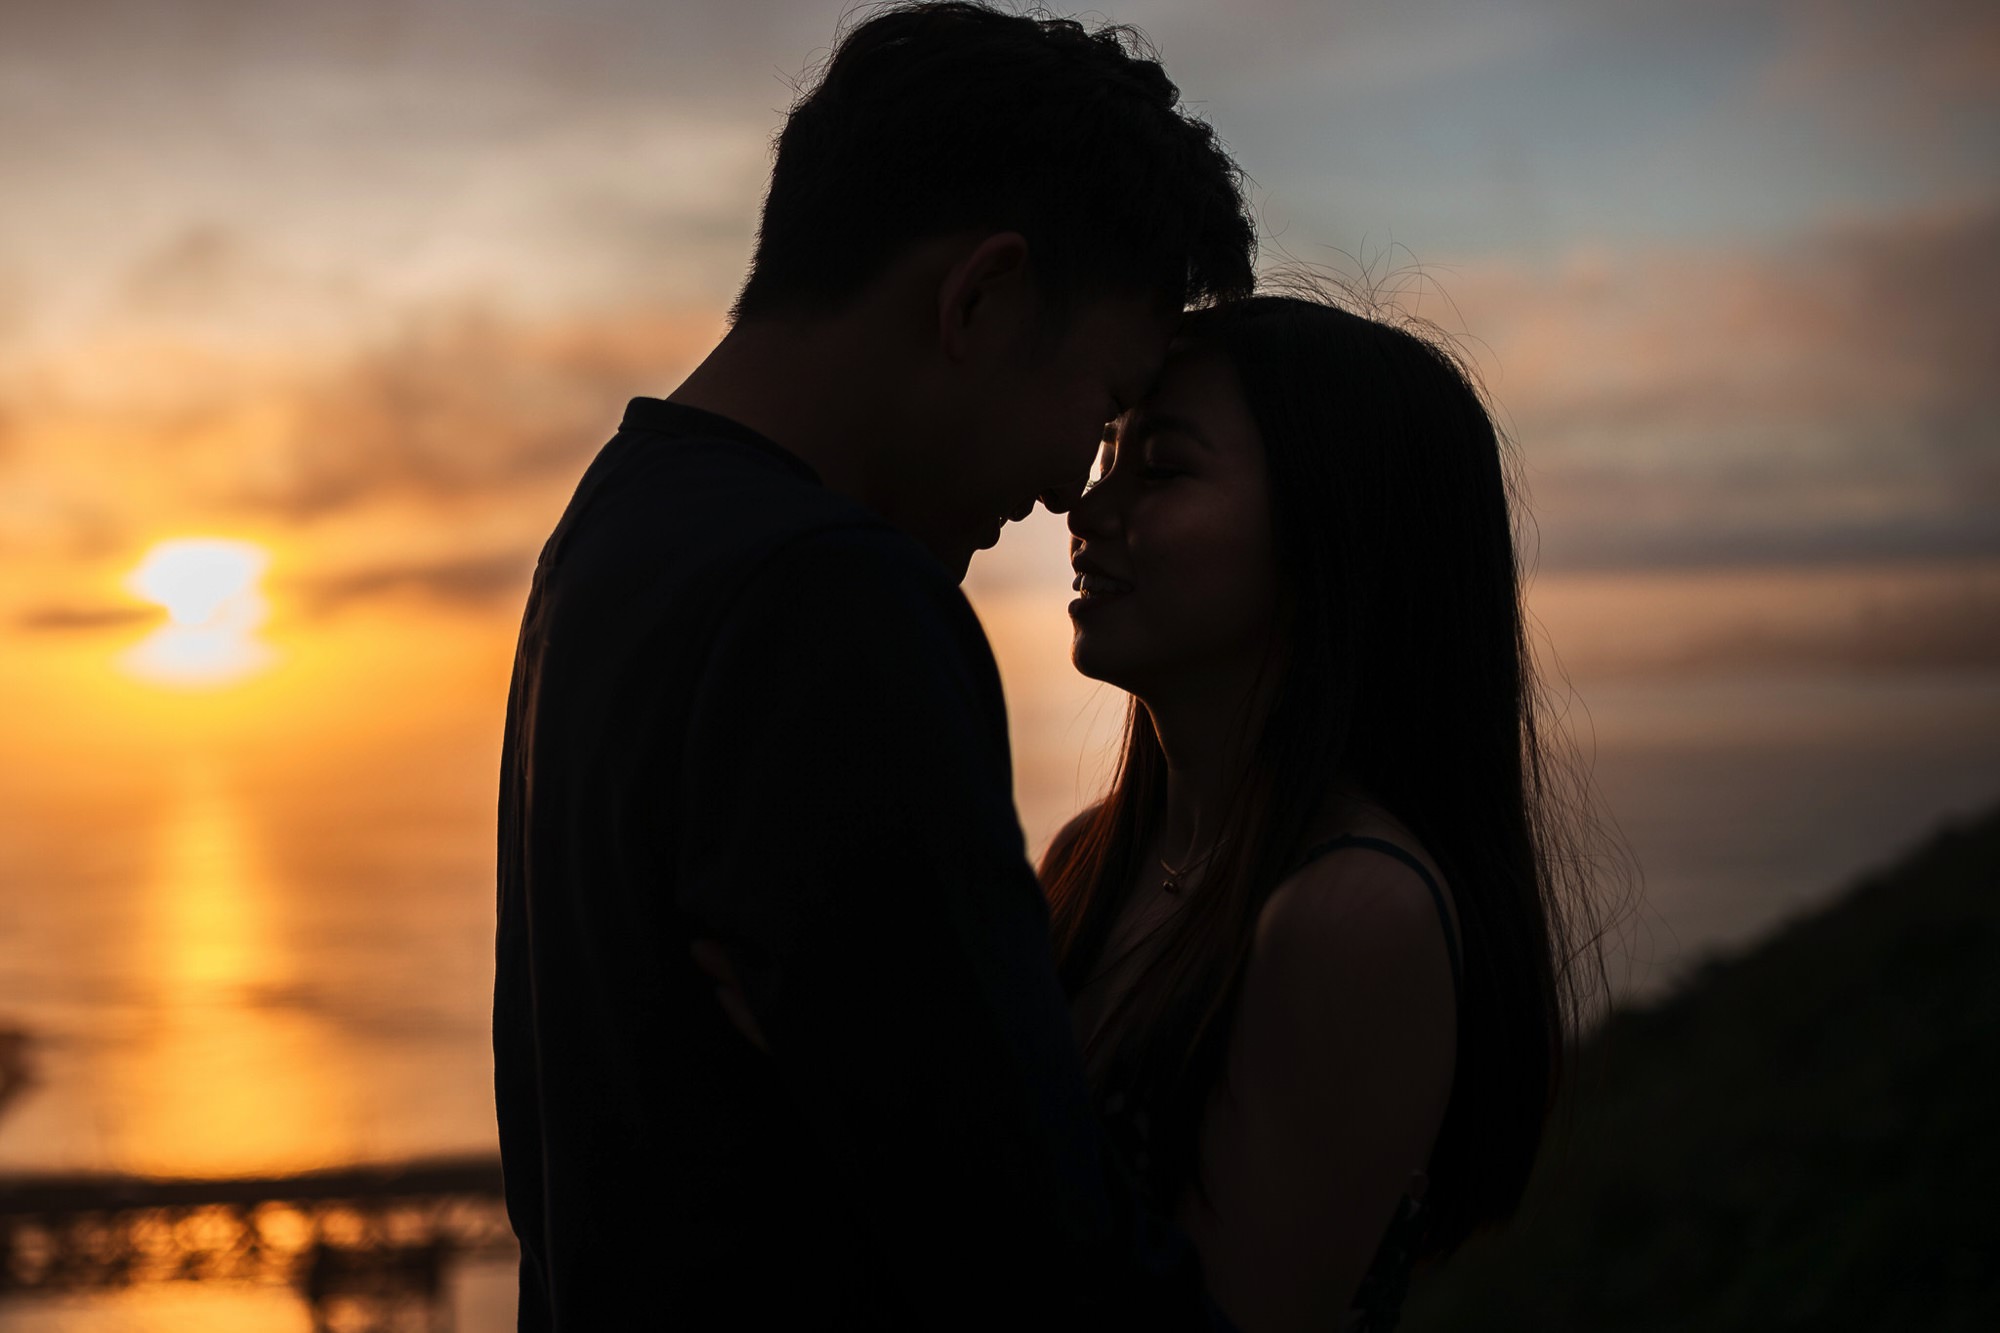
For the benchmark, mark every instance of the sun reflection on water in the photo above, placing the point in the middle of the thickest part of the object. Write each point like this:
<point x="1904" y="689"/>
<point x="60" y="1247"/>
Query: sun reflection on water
<point x="233" y="1071"/>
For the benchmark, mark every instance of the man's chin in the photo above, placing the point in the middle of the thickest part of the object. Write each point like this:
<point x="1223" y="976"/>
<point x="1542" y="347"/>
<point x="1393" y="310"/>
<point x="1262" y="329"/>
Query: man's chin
<point x="985" y="541"/>
<point x="959" y="558"/>
<point x="954" y="552"/>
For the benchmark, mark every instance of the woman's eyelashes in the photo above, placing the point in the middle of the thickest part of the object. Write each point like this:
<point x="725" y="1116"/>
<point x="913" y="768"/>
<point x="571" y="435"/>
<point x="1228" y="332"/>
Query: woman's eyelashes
<point x="1145" y="469"/>
<point x="1158" y="464"/>
<point x="1147" y="462"/>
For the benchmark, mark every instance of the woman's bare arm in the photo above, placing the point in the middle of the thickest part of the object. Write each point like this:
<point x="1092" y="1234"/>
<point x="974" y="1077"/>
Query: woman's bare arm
<point x="1338" y="1070"/>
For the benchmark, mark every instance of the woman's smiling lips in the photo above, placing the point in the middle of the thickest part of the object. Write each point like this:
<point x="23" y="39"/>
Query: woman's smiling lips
<point x="1095" y="585"/>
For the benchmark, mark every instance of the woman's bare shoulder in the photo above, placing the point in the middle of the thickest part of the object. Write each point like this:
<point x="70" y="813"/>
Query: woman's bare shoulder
<point x="1351" y="969"/>
<point x="1359" y="920"/>
<point x="1339" y="1068"/>
<point x="1367" y="868"/>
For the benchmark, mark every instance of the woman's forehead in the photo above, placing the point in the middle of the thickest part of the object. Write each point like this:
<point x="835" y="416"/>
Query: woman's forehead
<point x="1193" y="368"/>
<point x="1197" y="387"/>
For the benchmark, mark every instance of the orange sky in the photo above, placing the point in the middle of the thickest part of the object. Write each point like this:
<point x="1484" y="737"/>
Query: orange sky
<point x="365" y="286"/>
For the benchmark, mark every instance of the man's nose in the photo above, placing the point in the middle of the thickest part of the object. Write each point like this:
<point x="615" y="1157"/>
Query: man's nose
<point x="1064" y="498"/>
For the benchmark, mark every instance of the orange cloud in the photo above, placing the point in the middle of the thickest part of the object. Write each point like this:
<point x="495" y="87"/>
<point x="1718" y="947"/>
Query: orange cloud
<point x="474" y="580"/>
<point x="1839" y="621"/>
<point x="59" y="618"/>
<point x="1943" y="52"/>
<point x="456" y="403"/>
<point x="1826" y="398"/>
<point x="430" y="463"/>
<point x="463" y="403"/>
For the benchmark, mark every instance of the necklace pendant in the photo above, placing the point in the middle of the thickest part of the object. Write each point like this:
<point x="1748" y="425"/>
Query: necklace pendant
<point x="1172" y="883"/>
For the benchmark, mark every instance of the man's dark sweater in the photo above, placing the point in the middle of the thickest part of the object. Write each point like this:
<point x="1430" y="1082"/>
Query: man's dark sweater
<point x="744" y="708"/>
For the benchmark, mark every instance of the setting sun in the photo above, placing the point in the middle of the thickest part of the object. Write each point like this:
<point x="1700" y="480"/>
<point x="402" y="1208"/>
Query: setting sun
<point x="209" y="589"/>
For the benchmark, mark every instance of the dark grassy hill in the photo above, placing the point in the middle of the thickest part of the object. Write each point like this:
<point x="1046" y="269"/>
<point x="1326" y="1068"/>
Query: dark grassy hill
<point x="1805" y="1136"/>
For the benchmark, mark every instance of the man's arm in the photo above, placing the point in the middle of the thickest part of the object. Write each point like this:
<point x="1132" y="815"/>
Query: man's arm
<point x="851" y="842"/>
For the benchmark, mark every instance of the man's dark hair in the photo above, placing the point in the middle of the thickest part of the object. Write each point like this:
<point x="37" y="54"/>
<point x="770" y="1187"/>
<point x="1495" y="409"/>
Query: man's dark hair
<point x="936" y="118"/>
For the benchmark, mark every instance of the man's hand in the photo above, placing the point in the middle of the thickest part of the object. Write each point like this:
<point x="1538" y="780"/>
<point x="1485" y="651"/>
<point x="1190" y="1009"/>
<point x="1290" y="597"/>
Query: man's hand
<point x="709" y="956"/>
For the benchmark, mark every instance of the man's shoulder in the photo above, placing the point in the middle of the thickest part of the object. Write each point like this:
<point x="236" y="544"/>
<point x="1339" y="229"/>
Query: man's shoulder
<point x="693" y="530"/>
<point x="865" y="592"/>
<point x="704" y="484"/>
<point x="708" y="509"/>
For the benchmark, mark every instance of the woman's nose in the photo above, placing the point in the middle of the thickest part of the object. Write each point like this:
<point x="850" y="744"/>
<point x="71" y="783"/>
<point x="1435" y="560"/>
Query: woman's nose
<point x="1061" y="498"/>
<point x="1095" y="513"/>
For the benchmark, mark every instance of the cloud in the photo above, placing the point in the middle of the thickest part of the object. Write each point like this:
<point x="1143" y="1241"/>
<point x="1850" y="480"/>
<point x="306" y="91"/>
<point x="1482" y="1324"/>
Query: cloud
<point x="1829" y="398"/>
<point x="463" y="403"/>
<point x="1942" y="617"/>
<point x="194" y="269"/>
<point x="481" y="62"/>
<point x="475" y="580"/>
<point x="63" y="619"/>
<point x="1944" y="54"/>
<point x="454" y="404"/>
<point x="1938" y="631"/>
<point x="429" y="461"/>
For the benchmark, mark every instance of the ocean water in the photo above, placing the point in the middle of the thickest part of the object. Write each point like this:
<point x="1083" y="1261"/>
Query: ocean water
<point x="235" y="960"/>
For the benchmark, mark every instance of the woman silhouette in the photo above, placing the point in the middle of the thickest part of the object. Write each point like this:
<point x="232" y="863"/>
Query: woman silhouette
<point x="1319" y="935"/>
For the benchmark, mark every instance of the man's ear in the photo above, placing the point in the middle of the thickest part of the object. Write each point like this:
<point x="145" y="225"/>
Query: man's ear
<point x="988" y="279"/>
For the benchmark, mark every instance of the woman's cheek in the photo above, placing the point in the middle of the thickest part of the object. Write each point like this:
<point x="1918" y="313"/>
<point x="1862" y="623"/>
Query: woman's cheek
<point x="1202" y="592"/>
<point x="1226" y="577"/>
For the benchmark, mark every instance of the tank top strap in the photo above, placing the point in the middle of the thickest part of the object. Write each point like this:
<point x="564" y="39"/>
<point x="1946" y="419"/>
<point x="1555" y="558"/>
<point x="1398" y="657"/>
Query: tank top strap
<point x="1390" y="849"/>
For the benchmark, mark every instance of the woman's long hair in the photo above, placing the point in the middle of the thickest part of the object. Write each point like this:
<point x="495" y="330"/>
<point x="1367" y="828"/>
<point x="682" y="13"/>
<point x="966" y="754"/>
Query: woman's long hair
<point x="1405" y="669"/>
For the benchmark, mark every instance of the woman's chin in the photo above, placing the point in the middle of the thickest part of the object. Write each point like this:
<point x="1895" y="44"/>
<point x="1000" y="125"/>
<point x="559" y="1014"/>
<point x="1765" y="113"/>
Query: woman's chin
<point x="1094" y="658"/>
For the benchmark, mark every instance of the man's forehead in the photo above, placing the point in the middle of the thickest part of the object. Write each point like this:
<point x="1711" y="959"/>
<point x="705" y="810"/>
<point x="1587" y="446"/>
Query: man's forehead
<point x="1129" y="335"/>
<point x="1133" y="319"/>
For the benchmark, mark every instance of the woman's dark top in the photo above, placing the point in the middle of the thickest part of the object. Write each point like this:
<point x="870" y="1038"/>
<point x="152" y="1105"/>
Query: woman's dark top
<point x="746" y="709"/>
<point x="1378" y="1302"/>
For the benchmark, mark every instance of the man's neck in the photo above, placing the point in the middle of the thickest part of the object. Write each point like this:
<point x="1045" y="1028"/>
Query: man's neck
<point x="805" y="387"/>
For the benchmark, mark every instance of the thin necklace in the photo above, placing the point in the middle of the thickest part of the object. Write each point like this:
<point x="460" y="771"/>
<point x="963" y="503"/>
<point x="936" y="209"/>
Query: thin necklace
<point x="1172" y="883"/>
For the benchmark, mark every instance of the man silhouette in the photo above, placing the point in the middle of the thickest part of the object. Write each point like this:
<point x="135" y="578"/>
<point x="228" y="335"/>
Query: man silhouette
<point x="751" y="711"/>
